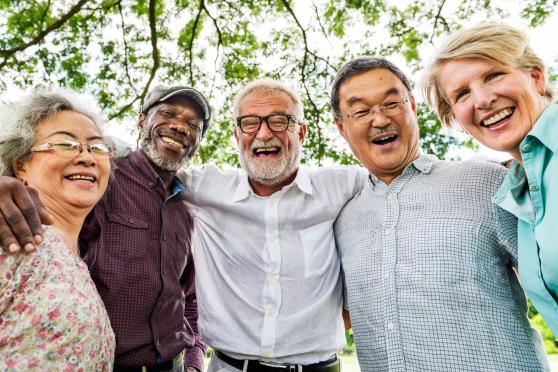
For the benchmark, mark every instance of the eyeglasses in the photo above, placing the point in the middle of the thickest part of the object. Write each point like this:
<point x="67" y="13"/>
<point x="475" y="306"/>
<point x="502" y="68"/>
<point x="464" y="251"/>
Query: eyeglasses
<point x="391" y="108"/>
<point x="276" y="123"/>
<point x="72" y="148"/>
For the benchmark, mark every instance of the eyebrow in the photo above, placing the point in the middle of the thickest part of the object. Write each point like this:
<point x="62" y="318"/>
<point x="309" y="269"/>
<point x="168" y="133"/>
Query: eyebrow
<point x="356" y="99"/>
<point x="69" y="134"/>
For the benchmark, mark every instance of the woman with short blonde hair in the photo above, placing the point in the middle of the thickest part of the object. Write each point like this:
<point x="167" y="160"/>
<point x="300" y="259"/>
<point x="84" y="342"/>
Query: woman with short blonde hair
<point x="489" y="80"/>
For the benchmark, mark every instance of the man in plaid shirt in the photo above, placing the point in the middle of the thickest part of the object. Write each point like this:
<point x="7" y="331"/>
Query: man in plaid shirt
<point x="428" y="259"/>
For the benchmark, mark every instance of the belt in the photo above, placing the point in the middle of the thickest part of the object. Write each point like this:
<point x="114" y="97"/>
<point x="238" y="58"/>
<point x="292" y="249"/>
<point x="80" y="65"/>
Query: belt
<point x="331" y="365"/>
<point x="164" y="366"/>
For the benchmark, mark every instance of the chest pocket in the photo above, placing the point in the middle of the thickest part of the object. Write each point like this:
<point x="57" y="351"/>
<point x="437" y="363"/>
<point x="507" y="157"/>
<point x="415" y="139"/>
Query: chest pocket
<point x="126" y="236"/>
<point x="319" y="248"/>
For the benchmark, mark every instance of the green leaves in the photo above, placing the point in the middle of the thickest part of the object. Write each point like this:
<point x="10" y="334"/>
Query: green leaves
<point x="112" y="49"/>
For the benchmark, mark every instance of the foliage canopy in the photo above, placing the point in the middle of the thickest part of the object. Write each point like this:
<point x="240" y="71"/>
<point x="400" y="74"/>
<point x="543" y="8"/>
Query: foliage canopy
<point x="117" y="50"/>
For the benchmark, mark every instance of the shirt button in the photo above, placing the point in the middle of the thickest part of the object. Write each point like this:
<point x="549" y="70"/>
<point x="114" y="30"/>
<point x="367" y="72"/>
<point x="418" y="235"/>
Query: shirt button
<point x="266" y="354"/>
<point x="386" y="276"/>
<point x="390" y="326"/>
<point x="526" y="147"/>
<point x="164" y="237"/>
<point x="159" y="305"/>
<point x="164" y="271"/>
<point x="387" y="231"/>
<point x="130" y="221"/>
<point x="158" y="343"/>
<point x="534" y="188"/>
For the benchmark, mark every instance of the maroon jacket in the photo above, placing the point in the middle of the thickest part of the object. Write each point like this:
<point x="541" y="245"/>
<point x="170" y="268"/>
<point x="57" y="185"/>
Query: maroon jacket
<point x="136" y="243"/>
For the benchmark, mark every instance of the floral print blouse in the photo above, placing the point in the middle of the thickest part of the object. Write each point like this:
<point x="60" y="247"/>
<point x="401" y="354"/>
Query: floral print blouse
<point x="51" y="316"/>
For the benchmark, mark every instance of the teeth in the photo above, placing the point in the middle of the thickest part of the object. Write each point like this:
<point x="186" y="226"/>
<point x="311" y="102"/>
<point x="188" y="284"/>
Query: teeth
<point x="384" y="138"/>
<point x="172" y="142"/>
<point x="498" y="117"/>
<point x="80" y="177"/>
<point x="266" y="149"/>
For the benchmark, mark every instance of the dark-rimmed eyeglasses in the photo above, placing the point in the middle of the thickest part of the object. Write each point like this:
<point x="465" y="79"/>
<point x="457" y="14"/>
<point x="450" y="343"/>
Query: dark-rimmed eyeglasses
<point x="250" y="124"/>
<point x="72" y="148"/>
<point x="390" y="108"/>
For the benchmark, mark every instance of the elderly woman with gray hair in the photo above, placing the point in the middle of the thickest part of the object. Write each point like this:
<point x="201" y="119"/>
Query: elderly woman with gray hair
<point x="51" y="316"/>
<point x="489" y="80"/>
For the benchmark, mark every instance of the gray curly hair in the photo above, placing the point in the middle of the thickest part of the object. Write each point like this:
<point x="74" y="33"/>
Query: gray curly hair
<point x="20" y="119"/>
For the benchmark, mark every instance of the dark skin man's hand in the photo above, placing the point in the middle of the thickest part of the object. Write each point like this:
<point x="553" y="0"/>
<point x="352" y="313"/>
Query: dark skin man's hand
<point x="21" y="216"/>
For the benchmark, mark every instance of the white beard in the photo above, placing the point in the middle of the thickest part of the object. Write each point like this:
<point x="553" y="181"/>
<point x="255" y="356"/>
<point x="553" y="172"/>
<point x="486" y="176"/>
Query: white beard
<point x="271" y="171"/>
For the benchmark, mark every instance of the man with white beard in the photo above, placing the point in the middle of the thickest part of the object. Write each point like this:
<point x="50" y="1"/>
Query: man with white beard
<point x="268" y="279"/>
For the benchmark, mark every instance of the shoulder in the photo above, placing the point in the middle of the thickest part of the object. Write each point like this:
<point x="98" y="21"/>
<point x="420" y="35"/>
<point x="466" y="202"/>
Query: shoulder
<point x="471" y="171"/>
<point x="337" y="176"/>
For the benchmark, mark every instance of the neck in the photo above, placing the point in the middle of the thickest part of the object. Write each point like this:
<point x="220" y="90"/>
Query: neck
<point x="262" y="189"/>
<point x="68" y="220"/>
<point x="167" y="176"/>
<point x="516" y="155"/>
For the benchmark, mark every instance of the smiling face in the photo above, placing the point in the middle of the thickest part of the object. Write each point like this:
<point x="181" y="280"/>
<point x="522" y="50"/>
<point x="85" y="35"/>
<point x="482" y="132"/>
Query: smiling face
<point x="496" y="104"/>
<point x="66" y="182"/>
<point x="269" y="158"/>
<point x="384" y="144"/>
<point x="172" y="131"/>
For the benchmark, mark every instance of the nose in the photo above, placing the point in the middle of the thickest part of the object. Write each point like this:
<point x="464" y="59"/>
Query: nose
<point x="264" y="133"/>
<point x="379" y="119"/>
<point x="85" y="157"/>
<point x="483" y="97"/>
<point x="179" y="127"/>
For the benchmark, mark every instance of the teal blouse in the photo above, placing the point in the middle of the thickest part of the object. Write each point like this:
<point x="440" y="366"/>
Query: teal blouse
<point x="530" y="192"/>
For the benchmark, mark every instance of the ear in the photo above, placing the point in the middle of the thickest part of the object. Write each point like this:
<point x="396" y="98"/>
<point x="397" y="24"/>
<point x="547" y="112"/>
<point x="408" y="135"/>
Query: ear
<point x="141" y="121"/>
<point x="413" y="104"/>
<point x="235" y="131"/>
<point x="302" y="132"/>
<point x="340" y="126"/>
<point x="539" y="80"/>
<point x="20" y="170"/>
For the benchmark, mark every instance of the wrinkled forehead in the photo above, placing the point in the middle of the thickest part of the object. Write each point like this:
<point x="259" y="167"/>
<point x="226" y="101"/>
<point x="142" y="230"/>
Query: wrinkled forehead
<point x="179" y="103"/>
<point x="265" y="102"/>
<point x="372" y="86"/>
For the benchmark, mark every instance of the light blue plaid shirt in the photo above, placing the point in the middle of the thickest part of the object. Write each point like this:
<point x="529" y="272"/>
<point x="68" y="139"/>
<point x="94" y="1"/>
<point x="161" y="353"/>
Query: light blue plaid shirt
<point x="428" y="263"/>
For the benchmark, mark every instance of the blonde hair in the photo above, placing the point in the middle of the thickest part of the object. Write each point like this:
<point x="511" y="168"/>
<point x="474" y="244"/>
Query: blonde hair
<point x="487" y="41"/>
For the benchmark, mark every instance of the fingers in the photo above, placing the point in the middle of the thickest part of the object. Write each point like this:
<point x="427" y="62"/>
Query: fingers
<point x="15" y="232"/>
<point x="36" y="216"/>
<point x="20" y="224"/>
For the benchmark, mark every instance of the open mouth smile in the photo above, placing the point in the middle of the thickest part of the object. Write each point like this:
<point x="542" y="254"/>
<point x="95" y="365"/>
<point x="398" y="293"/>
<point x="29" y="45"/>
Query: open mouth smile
<point x="269" y="150"/>
<point x="81" y="177"/>
<point x="385" y="139"/>
<point x="499" y="117"/>
<point x="172" y="142"/>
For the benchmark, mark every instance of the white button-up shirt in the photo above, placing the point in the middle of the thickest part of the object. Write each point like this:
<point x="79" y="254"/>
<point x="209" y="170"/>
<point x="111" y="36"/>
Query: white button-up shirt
<point x="267" y="272"/>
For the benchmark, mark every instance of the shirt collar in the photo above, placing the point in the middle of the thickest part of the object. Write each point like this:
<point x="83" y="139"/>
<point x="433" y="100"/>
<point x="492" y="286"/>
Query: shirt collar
<point x="145" y="167"/>
<point x="302" y="181"/>
<point x="422" y="164"/>
<point x="545" y="128"/>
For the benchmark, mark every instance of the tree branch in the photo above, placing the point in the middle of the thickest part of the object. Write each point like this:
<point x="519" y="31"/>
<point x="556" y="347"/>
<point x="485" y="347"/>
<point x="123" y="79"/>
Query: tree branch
<point x="219" y="43"/>
<point x="154" y="56"/>
<point x="191" y="42"/>
<point x="439" y="18"/>
<point x="7" y="53"/>
<point x="126" y="67"/>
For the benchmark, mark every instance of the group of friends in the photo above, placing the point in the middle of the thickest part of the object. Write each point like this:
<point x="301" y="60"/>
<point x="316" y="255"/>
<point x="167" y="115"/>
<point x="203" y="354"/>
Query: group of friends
<point x="422" y="257"/>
